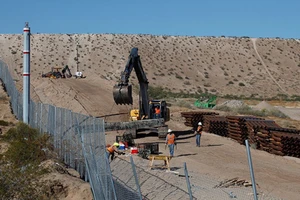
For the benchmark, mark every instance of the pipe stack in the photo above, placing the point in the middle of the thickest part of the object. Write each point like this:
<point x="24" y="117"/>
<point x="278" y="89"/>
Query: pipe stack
<point x="285" y="142"/>
<point x="192" y="118"/>
<point x="258" y="135"/>
<point x="262" y="134"/>
<point x="237" y="127"/>
<point x="216" y="124"/>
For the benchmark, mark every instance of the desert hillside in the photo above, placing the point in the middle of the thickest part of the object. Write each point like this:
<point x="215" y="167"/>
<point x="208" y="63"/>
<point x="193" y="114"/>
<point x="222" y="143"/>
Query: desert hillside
<point x="236" y="66"/>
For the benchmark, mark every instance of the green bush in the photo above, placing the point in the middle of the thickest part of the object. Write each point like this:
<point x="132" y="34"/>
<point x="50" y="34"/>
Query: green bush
<point x="3" y="123"/>
<point x="247" y="110"/>
<point x="26" y="145"/>
<point x="19" y="170"/>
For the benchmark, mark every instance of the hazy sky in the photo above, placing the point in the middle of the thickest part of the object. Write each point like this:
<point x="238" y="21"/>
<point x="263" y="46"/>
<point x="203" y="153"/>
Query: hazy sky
<point x="254" y="18"/>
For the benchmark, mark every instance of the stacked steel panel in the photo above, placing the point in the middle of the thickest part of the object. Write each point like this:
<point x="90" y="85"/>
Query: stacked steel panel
<point x="237" y="127"/>
<point x="192" y="118"/>
<point x="285" y="142"/>
<point x="216" y="124"/>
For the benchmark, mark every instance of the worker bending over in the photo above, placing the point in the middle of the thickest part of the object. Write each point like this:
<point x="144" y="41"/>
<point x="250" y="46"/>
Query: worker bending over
<point x="110" y="150"/>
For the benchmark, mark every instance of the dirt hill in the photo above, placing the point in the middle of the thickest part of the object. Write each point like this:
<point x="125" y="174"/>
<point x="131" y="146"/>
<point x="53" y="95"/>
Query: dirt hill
<point x="241" y="66"/>
<point x="236" y="66"/>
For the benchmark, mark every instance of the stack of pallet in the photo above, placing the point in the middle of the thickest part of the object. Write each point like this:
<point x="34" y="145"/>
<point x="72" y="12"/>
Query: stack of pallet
<point x="237" y="127"/>
<point x="258" y="134"/>
<point x="192" y="118"/>
<point x="215" y="124"/>
<point x="285" y="142"/>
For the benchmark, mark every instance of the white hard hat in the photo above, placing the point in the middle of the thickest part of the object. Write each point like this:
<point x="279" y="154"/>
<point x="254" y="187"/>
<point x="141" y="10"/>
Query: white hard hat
<point x="199" y="123"/>
<point x="169" y="130"/>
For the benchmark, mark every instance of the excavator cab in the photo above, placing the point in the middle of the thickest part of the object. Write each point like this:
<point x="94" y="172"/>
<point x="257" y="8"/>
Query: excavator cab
<point x="164" y="110"/>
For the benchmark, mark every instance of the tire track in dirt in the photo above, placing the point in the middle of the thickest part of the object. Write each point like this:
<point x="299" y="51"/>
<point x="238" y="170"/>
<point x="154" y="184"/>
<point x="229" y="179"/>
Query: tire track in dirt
<point x="265" y="66"/>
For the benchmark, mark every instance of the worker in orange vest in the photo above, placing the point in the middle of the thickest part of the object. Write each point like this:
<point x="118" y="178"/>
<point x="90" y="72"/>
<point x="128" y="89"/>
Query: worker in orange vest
<point x="157" y="112"/>
<point x="111" y="149"/>
<point x="170" y="141"/>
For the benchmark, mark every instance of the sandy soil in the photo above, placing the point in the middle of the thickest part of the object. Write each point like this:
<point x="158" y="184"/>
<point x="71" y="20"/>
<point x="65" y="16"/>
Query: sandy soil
<point x="233" y="66"/>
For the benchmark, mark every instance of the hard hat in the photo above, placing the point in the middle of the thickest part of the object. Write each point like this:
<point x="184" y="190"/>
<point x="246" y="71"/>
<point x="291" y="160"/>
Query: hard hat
<point x="169" y="130"/>
<point x="199" y="123"/>
<point x="116" y="144"/>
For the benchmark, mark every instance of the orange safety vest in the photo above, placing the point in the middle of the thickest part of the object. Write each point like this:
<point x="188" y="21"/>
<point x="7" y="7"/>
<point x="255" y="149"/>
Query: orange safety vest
<point x="157" y="111"/>
<point x="110" y="149"/>
<point x="171" y="139"/>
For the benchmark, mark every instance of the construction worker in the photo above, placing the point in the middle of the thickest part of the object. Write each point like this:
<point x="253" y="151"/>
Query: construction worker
<point x="198" y="134"/>
<point x="111" y="149"/>
<point x="170" y="141"/>
<point x="157" y="112"/>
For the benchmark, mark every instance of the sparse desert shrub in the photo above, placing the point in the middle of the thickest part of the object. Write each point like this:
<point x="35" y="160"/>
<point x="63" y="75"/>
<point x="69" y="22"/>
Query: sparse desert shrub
<point x="247" y="110"/>
<point x="20" y="172"/>
<point x="187" y="83"/>
<point x="4" y="123"/>
<point x="183" y="103"/>
<point x="241" y="84"/>
<point x="178" y="76"/>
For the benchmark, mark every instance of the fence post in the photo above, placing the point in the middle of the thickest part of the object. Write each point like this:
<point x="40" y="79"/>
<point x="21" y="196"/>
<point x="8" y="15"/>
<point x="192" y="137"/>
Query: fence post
<point x="188" y="181"/>
<point x="136" y="178"/>
<point x="41" y="116"/>
<point x="251" y="170"/>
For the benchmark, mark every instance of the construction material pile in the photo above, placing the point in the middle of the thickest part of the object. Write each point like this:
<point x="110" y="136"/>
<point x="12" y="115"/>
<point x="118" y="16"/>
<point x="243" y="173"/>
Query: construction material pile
<point x="262" y="134"/>
<point x="258" y="134"/>
<point x="238" y="129"/>
<point x="192" y="118"/>
<point x="216" y="124"/>
<point x="285" y="142"/>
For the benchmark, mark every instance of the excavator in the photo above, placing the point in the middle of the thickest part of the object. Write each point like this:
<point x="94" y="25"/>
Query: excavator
<point x="64" y="70"/>
<point x="55" y="73"/>
<point x="122" y="93"/>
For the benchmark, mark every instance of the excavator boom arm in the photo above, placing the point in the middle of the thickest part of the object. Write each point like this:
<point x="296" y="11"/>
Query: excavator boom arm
<point x="123" y="90"/>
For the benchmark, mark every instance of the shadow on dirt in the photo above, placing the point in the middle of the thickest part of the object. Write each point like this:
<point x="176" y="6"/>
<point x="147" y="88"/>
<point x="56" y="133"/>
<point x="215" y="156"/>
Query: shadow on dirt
<point x="187" y="154"/>
<point x="146" y="134"/>
<point x="213" y="145"/>
<point x="185" y="132"/>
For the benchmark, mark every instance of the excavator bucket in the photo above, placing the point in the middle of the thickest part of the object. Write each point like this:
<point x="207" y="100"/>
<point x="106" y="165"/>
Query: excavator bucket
<point x="122" y="94"/>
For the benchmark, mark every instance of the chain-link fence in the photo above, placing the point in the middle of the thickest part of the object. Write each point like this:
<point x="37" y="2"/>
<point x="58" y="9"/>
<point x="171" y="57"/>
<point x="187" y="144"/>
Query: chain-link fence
<point x="79" y="140"/>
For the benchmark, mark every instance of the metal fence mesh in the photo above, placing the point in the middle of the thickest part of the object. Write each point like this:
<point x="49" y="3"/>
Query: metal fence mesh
<point x="78" y="140"/>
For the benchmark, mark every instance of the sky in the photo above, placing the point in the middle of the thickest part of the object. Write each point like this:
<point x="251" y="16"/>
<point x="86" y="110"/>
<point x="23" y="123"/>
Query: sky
<point x="253" y="18"/>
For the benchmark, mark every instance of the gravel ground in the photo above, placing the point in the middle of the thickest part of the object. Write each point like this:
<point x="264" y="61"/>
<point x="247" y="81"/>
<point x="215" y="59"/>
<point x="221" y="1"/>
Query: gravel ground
<point x="161" y="184"/>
